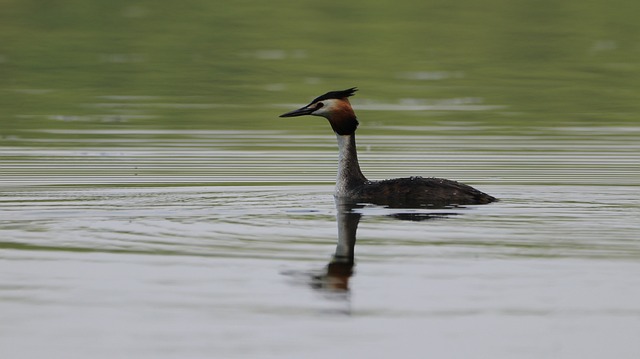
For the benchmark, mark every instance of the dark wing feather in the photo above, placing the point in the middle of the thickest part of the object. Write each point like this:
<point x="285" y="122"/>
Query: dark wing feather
<point x="421" y="192"/>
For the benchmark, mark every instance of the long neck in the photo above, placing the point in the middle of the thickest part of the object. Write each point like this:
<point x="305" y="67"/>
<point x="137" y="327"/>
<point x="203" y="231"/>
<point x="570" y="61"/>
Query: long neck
<point x="349" y="174"/>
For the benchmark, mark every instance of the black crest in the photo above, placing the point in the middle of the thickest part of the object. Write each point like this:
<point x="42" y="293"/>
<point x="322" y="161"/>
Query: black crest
<point x="336" y="94"/>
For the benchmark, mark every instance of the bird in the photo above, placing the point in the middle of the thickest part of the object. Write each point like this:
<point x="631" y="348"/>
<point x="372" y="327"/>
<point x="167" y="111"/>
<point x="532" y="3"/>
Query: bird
<point x="352" y="185"/>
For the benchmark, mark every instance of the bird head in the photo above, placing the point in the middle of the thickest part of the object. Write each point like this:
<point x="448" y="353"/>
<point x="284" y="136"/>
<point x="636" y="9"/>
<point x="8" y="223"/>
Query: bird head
<point x="335" y="107"/>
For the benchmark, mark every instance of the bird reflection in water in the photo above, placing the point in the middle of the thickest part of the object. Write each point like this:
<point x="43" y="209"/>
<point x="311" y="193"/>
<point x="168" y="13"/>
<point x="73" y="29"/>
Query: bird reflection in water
<point x="335" y="277"/>
<point x="333" y="280"/>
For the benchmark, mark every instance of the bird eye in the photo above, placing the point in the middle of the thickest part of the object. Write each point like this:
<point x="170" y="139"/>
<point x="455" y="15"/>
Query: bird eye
<point x="319" y="105"/>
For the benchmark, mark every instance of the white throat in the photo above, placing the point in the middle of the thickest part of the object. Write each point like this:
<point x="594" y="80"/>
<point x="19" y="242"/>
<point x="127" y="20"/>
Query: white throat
<point x="349" y="175"/>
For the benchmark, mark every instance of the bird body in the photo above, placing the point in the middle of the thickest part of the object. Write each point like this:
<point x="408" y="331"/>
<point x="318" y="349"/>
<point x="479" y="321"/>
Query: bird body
<point x="352" y="185"/>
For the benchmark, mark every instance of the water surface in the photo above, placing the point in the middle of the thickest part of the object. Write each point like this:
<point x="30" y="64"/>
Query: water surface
<point x="202" y="248"/>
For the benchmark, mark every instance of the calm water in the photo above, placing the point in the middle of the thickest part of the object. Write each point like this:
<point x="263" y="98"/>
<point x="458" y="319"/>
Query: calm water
<point x="152" y="205"/>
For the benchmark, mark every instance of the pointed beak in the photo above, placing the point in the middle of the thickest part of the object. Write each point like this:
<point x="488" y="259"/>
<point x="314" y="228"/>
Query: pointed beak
<point x="306" y="110"/>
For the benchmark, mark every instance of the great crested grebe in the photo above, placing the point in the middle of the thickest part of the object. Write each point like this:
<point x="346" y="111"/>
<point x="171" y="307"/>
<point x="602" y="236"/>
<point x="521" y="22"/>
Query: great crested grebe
<point x="351" y="184"/>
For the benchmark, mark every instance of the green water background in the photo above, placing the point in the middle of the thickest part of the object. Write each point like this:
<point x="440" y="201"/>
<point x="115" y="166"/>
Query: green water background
<point x="232" y="65"/>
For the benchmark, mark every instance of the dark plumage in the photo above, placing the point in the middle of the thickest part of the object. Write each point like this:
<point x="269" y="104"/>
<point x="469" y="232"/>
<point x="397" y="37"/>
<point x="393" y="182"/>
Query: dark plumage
<point x="336" y="94"/>
<point x="419" y="192"/>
